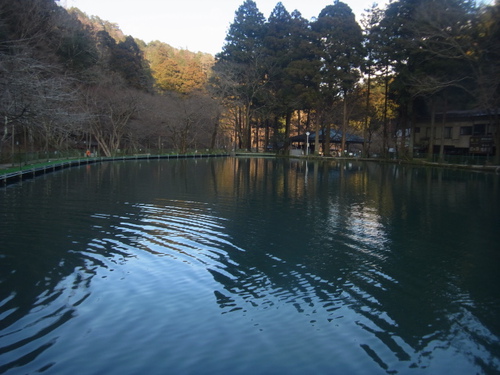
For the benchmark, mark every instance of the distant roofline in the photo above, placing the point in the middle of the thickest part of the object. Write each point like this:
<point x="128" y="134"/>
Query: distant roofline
<point x="469" y="113"/>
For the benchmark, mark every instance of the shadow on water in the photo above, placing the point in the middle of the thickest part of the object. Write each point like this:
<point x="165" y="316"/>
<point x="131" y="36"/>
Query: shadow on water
<point x="47" y="265"/>
<point x="386" y="268"/>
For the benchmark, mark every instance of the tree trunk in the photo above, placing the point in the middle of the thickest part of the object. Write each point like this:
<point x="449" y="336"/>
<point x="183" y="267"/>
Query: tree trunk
<point x="247" y="144"/>
<point x="367" y="115"/>
<point x="327" y="130"/>
<point x="443" y="123"/>
<point x="214" y="132"/>
<point x="430" y="150"/>
<point x="385" y="139"/>
<point x="344" y="124"/>
<point x="412" y="134"/>
<point x="266" y="134"/>
<point x="256" y="138"/>
<point x="5" y="132"/>
<point x="316" y="138"/>
<point x="288" y="120"/>
<point x="496" y="159"/>
<point x="238" y="129"/>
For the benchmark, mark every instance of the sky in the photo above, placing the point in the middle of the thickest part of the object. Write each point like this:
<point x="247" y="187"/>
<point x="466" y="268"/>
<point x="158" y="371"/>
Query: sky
<point x="195" y="25"/>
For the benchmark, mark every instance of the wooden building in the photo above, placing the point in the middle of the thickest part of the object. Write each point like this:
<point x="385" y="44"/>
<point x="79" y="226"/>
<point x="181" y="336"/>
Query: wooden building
<point x="460" y="133"/>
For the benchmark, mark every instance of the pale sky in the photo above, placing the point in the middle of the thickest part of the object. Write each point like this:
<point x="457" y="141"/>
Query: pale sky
<point x="196" y="25"/>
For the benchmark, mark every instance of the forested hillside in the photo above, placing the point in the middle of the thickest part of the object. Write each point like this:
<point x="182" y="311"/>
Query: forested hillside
<point x="73" y="81"/>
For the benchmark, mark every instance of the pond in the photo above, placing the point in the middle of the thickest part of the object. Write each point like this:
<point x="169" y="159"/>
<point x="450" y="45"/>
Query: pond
<point x="250" y="266"/>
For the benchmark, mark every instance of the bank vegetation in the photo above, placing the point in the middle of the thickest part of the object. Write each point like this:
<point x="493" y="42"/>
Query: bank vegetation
<point x="74" y="82"/>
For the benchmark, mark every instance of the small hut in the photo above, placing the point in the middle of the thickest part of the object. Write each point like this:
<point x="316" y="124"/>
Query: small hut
<point x="335" y="141"/>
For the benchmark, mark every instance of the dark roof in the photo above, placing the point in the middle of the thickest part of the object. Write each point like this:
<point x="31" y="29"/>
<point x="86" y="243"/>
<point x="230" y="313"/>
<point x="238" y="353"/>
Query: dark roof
<point x="335" y="137"/>
<point x="463" y="115"/>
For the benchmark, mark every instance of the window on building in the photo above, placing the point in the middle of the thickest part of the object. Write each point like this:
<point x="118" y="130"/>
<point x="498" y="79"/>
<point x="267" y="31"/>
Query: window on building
<point x="447" y="132"/>
<point x="417" y="129"/>
<point x="479" y="129"/>
<point x="466" y="130"/>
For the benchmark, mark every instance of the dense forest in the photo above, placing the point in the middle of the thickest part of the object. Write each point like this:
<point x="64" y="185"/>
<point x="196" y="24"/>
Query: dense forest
<point x="414" y="58"/>
<point x="69" y="81"/>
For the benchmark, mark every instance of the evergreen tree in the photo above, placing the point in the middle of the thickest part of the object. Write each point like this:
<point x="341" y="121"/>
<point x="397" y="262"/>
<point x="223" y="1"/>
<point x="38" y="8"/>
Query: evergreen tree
<point x="434" y="53"/>
<point x="243" y="56"/>
<point x="342" y="56"/>
<point x="278" y="55"/>
<point x="245" y="36"/>
<point x="487" y="90"/>
<point x="127" y="59"/>
<point x="304" y="66"/>
<point x="370" y="22"/>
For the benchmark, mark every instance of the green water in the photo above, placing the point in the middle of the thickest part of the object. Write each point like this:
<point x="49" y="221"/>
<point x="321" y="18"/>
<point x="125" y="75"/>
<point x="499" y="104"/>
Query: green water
<point x="250" y="266"/>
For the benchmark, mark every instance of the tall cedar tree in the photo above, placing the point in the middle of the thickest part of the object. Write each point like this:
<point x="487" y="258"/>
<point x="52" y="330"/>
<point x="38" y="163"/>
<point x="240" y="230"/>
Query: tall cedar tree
<point x="243" y="54"/>
<point x="278" y="51"/>
<point x="342" y="54"/>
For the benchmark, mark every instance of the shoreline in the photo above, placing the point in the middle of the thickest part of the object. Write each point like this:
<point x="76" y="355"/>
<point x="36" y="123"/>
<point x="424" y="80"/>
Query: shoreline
<point x="37" y="169"/>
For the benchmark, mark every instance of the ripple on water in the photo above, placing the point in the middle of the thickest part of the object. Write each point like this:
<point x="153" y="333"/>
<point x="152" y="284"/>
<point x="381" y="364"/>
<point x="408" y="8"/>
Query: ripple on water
<point x="29" y="331"/>
<point x="165" y="285"/>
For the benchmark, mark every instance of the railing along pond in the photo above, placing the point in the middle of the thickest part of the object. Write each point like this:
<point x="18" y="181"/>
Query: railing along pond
<point x="31" y="172"/>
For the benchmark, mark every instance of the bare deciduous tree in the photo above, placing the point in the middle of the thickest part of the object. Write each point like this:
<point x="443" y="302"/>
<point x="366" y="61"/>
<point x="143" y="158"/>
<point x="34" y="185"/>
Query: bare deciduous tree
<point x="188" y="120"/>
<point x="110" y="112"/>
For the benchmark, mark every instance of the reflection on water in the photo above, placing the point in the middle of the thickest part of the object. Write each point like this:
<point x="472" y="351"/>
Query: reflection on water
<point x="250" y="266"/>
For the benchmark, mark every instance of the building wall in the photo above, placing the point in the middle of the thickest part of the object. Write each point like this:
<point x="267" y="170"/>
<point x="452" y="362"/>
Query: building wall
<point x="468" y="135"/>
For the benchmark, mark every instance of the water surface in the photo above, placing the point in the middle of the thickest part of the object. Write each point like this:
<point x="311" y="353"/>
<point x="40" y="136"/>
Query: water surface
<point x="250" y="266"/>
